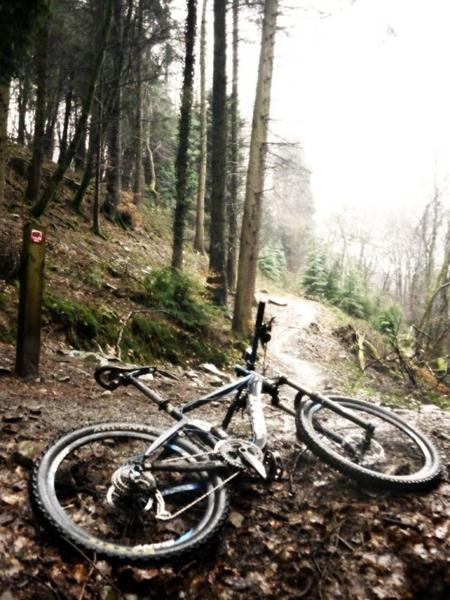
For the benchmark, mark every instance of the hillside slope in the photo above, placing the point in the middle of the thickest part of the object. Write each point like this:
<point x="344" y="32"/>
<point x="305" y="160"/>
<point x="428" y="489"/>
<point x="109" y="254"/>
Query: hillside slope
<point x="107" y="294"/>
<point x="313" y="534"/>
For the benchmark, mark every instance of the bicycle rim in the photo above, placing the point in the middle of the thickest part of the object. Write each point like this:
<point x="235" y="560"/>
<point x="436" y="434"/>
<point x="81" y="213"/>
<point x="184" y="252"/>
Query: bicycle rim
<point x="71" y="481"/>
<point x="397" y="457"/>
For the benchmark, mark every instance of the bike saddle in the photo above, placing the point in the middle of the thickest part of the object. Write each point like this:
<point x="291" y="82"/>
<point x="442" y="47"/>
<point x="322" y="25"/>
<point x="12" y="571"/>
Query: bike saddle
<point x="111" y="377"/>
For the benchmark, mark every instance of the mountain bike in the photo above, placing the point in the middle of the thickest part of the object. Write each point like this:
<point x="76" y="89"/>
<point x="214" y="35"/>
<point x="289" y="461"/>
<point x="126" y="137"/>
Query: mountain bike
<point x="133" y="492"/>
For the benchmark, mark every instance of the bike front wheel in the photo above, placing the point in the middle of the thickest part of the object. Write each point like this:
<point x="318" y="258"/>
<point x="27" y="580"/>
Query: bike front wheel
<point x="70" y="485"/>
<point x="396" y="457"/>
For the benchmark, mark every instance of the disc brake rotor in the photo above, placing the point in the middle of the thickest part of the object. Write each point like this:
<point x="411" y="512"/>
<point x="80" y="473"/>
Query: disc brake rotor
<point x="372" y="455"/>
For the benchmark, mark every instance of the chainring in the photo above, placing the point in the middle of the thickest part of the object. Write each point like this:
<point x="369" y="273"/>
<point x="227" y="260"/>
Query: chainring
<point x="229" y="450"/>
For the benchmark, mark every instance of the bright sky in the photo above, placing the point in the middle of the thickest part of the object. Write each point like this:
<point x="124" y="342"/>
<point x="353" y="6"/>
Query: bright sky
<point x="366" y="91"/>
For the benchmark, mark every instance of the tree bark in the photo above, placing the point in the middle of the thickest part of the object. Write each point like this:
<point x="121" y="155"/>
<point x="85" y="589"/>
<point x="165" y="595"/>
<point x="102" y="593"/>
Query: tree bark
<point x="79" y="160"/>
<point x="149" y="169"/>
<point x="199" y="242"/>
<point x="67" y="113"/>
<point x="22" y="105"/>
<point x="35" y="171"/>
<point x="248" y="254"/>
<point x="4" y="106"/>
<point x="94" y="133"/>
<point x="114" y="176"/>
<point x="139" y="181"/>
<point x="217" y="253"/>
<point x="233" y="201"/>
<point x="49" y="193"/>
<point x="181" y="206"/>
<point x="52" y="112"/>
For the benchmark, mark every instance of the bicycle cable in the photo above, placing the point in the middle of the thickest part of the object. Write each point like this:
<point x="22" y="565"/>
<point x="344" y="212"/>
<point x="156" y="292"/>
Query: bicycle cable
<point x="168" y="516"/>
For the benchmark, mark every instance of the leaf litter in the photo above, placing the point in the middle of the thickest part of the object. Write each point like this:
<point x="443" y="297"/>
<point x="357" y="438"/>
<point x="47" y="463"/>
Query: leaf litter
<point x="315" y="534"/>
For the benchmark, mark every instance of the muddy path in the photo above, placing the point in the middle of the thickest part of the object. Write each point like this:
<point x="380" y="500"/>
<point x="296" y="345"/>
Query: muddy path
<point x="314" y="534"/>
<point x="292" y="316"/>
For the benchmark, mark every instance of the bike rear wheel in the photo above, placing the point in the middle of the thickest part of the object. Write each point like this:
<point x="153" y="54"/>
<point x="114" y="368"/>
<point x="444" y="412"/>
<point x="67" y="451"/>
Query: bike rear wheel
<point x="398" y="457"/>
<point x="70" y="483"/>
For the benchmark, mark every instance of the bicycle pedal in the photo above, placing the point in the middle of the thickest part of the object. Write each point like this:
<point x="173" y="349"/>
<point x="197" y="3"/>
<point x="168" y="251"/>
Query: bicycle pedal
<point x="274" y="465"/>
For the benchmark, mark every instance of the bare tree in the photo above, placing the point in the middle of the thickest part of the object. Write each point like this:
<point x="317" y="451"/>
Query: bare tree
<point x="199" y="242"/>
<point x="183" y="141"/>
<point x="251" y="225"/>
<point x="217" y="252"/>
<point x="234" y="176"/>
<point x="64" y="161"/>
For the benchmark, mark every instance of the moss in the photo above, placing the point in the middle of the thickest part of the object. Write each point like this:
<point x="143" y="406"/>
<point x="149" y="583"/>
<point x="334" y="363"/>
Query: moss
<point x="95" y="278"/>
<point x="148" y="340"/>
<point x="144" y="339"/>
<point x="82" y="323"/>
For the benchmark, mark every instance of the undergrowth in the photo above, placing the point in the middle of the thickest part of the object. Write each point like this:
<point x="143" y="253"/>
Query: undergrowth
<point x="83" y="323"/>
<point x="180" y="298"/>
<point x="143" y="339"/>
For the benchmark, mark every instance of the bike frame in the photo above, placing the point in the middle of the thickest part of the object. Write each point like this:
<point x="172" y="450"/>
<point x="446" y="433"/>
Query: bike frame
<point x="207" y="433"/>
<point x="253" y="383"/>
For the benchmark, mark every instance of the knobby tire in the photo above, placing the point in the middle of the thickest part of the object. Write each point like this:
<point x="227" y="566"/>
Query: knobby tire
<point x="62" y="487"/>
<point x="401" y="443"/>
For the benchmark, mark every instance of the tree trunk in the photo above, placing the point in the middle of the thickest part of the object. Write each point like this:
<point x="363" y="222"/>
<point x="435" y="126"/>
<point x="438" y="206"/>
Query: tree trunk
<point x="35" y="171"/>
<point x="440" y="288"/>
<point x="199" y="242"/>
<point x="233" y="201"/>
<point x="22" y="105"/>
<point x="98" y="145"/>
<point x="79" y="160"/>
<point x="67" y="113"/>
<point x="181" y="206"/>
<point x="217" y="255"/>
<point x="91" y="157"/>
<point x="4" y="106"/>
<point x="114" y="180"/>
<point x="139" y="146"/>
<point x="248" y="255"/>
<point x="51" y="112"/>
<point x="49" y="193"/>
<point x="149" y="169"/>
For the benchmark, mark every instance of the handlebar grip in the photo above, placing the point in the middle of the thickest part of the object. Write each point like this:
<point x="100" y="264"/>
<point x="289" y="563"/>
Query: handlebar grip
<point x="107" y="377"/>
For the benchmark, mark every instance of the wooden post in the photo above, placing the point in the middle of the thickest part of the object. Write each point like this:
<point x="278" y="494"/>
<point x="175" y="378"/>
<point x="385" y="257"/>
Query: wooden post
<point x="30" y="301"/>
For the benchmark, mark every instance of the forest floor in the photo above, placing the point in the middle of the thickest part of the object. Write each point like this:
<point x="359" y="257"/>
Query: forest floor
<point x="314" y="534"/>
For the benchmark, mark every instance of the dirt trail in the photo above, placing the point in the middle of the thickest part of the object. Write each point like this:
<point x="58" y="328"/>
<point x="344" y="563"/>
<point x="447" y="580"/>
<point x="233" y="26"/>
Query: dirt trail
<point x="314" y="534"/>
<point x="292" y="314"/>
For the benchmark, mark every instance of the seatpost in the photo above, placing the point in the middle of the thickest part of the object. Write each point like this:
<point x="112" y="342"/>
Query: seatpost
<point x="251" y="361"/>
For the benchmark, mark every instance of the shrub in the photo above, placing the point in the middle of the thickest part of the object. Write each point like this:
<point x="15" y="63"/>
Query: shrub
<point x="387" y="320"/>
<point x="315" y="277"/>
<point x="179" y="297"/>
<point x="9" y="258"/>
<point x="352" y="299"/>
<point x="271" y="260"/>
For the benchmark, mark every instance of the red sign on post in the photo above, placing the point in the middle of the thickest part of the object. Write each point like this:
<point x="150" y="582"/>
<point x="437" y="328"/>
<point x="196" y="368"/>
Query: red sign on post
<point x="37" y="236"/>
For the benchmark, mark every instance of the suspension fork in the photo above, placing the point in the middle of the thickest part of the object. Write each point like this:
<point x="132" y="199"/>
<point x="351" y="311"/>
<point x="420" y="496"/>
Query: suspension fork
<point x="256" y="412"/>
<point x="332" y="405"/>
